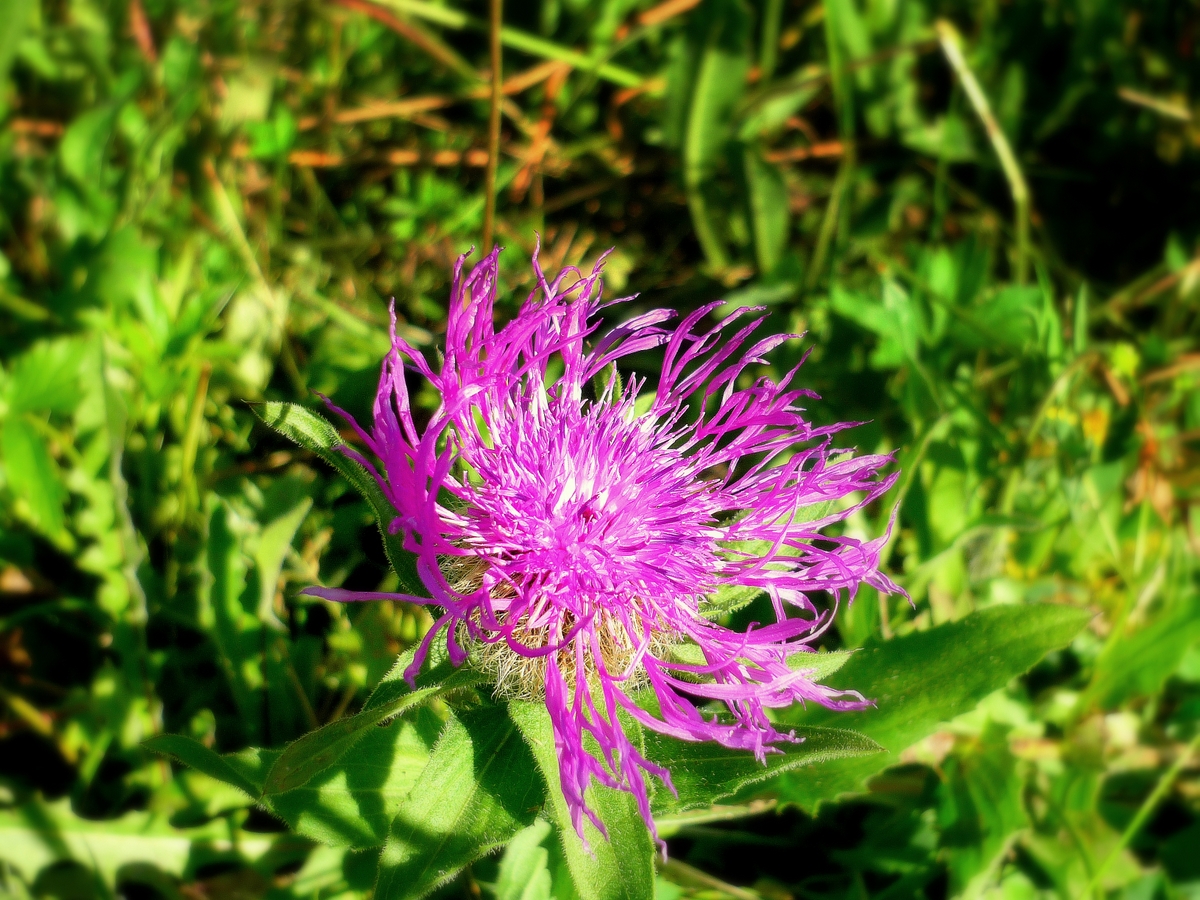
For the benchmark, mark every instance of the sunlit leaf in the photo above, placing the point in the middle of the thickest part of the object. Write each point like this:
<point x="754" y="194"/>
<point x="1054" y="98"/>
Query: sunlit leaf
<point x="479" y="788"/>
<point x="620" y="868"/>
<point x="923" y="679"/>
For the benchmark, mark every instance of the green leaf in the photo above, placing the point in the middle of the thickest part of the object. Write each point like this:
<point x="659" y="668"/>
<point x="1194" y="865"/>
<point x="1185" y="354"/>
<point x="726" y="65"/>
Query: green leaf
<point x="770" y="111"/>
<point x="235" y="631"/>
<point x="45" y="378"/>
<point x="621" y="868"/>
<point x="38" y="834"/>
<point x="33" y="477"/>
<point x="192" y="753"/>
<point x="310" y="755"/>
<point x="348" y="802"/>
<point x="720" y="81"/>
<point x="479" y="789"/>
<point x="820" y="666"/>
<point x="85" y="143"/>
<point x="352" y="802"/>
<point x="770" y="215"/>
<point x="705" y="772"/>
<point x="923" y="679"/>
<point x="1137" y="664"/>
<point x="524" y="870"/>
<point x="312" y="432"/>
<point x="273" y="545"/>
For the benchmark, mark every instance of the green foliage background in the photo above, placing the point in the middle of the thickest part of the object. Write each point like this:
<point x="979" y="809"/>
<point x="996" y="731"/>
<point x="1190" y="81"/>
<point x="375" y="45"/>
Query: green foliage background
<point x="208" y="203"/>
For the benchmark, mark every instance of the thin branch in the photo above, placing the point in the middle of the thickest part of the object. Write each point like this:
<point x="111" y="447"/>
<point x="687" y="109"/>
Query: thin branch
<point x="951" y="42"/>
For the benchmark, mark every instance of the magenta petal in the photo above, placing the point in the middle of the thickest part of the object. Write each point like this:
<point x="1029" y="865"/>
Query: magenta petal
<point x="570" y="534"/>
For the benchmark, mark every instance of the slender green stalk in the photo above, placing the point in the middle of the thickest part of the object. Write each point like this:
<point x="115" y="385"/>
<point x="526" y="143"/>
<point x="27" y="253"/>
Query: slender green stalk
<point x="843" y="96"/>
<point x="495" y="8"/>
<point x="514" y="39"/>
<point x="768" y="54"/>
<point x="1147" y="809"/>
<point x="951" y="42"/>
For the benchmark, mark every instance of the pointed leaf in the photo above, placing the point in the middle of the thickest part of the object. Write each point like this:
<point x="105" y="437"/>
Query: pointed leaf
<point x="923" y="679"/>
<point x="352" y="802"/>
<point x="479" y="789"/>
<point x="704" y="772"/>
<point x="310" y="755"/>
<point x="192" y="753"/>
<point x="621" y="868"/>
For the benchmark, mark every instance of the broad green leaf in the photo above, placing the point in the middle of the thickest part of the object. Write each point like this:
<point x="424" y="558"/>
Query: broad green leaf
<point x="704" y="772"/>
<point x="352" y="802"/>
<point x="33" y="477"/>
<point x="349" y="802"/>
<point x="437" y="670"/>
<point x="820" y="666"/>
<point x="479" y="788"/>
<point x="524" y="871"/>
<point x="621" y="868"/>
<point x="192" y="753"/>
<point x="727" y="599"/>
<point x="310" y="755"/>
<point x="312" y="432"/>
<point x="923" y="679"/>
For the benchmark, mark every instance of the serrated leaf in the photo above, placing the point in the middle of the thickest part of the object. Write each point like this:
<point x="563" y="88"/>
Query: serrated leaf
<point x="310" y="755"/>
<point x="312" y="432"/>
<point x="923" y="679"/>
<point x="621" y="868"/>
<point x="705" y="772"/>
<point x="479" y="788"/>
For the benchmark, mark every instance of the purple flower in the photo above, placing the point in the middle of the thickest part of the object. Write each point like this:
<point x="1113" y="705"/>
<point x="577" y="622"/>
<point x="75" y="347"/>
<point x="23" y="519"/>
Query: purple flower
<point x="573" y="527"/>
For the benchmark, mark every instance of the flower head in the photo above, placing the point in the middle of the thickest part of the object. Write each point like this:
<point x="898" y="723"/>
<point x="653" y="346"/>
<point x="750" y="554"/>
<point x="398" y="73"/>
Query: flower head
<point x="572" y="526"/>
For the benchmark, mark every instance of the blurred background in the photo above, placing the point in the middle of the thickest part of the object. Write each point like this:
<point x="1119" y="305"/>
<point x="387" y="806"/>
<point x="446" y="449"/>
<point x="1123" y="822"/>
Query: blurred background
<point x="984" y="215"/>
